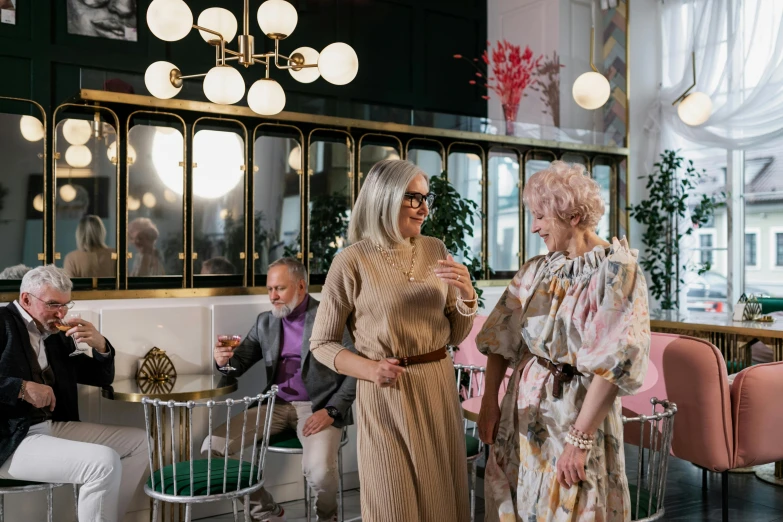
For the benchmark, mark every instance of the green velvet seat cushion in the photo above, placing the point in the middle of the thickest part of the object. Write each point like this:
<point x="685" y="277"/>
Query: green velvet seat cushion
<point x="200" y="473"/>
<point x="472" y="445"/>
<point x="285" y="439"/>
<point x="644" y="503"/>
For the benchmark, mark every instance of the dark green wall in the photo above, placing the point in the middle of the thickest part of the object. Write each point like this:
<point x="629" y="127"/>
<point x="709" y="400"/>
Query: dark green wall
<point x="405" y="50"/>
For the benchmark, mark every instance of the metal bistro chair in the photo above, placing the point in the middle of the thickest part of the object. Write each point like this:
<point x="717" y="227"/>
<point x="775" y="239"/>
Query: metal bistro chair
<point x="473" y="445"/>
<point x="654" y="440"/>
<point x="287" y="443"/>
<point x="12" y="487"/>
<point x="197" y="481"/>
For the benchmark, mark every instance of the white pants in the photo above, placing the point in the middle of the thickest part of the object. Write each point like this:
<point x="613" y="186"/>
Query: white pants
<point x="110" y="462"/>
<point x="319" y="456"/>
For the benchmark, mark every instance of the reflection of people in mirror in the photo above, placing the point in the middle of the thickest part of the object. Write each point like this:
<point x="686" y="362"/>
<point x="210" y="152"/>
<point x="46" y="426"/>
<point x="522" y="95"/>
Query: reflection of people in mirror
<point x="115" y="19"/>
<point x="218" y="265"/>
<point x="92" y="258"/>
<point x="143" y="233"/>
<point x="14" y="272"/>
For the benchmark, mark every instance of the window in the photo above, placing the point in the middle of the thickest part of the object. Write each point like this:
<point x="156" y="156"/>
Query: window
<point x="751" y="249"/>
<point x="706" y="242"/>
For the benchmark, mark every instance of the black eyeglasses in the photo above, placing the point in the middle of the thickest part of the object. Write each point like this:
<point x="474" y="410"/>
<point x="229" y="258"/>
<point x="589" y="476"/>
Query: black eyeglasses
<point x="52" y="306"/>
<point x="417" y="198"/>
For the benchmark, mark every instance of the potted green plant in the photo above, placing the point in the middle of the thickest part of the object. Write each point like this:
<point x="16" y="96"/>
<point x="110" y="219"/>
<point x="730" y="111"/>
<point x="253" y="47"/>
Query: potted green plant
<point x="669" y="214"/>
<point x="452" y="220"/>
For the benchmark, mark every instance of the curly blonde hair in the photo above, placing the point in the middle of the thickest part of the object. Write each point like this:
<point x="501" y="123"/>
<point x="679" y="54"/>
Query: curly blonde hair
<point x="564" y="191"/>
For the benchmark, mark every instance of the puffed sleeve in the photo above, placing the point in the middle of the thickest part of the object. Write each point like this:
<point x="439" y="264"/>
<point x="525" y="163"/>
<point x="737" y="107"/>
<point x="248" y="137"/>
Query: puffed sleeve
<point x="334" y="311"/>
<point x="502" y="333"/>
<point x="616" y="336"/>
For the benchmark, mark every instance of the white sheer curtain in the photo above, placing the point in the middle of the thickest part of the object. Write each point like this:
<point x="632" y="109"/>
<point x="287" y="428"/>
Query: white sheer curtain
<point x="739" y="64"/>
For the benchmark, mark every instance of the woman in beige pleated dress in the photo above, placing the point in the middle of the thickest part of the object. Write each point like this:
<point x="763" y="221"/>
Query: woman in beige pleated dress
<point x="403" y="299"/>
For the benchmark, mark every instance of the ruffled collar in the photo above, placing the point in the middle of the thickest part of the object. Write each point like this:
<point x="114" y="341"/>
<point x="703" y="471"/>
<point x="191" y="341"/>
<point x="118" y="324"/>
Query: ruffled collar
<point x="582" y="267"/>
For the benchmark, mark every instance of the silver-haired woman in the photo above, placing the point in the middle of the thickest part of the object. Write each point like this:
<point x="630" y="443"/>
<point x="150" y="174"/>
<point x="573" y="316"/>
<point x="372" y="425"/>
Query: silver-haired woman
<point x="403" y="298"/>
<point x="574" y="326"/>
<point x="92" y="258"/>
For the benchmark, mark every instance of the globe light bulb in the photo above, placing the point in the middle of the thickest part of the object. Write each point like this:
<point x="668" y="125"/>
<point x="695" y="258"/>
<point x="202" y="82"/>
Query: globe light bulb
<point x="67" y="193"/>
<point x="157" y="78"/>
<point x="149" y="200"/>
<point x="295" y="159"/>
<point x="266" y="97"/>
<point x="695" y="109"/>
<point x="309" y="74"/>
<point x="38" y="202"/>
<point x="277" y="18"/>
<point x="224" y="85"/>
<point x="76" y="132"/>
<point x="218" y="19"/>
<point x="338" y="63"/>
<point x="133" y="203"/>
<point x="78" y="156"/>
<point x="111" y="152"/>
<point x="169" y="20"/>
<point x="591" y="90"/>
<point x="32" y="128"/>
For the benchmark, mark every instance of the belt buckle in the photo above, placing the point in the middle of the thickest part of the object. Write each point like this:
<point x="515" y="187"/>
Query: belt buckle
<point x="403" y="361"/>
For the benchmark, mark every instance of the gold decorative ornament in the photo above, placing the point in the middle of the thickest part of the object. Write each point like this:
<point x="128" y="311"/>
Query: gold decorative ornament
<point x="752" y="309"/>
<point x="155" y="370"/>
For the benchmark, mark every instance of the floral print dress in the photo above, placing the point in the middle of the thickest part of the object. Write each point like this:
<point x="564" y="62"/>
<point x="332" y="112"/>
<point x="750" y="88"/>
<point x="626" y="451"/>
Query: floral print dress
<point x="590" y="312"/>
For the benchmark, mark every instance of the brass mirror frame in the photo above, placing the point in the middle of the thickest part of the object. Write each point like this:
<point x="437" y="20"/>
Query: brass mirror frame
<point x="189" y="186"/>
<point x="614" y="196"/>
<point x="484" y="197"/>
<point x="390" y="137"/>
<point x="184" y="184"/>
<point x="302" y="200"/>
<point x="523" y="179"/>
<point x="53" y="193"/>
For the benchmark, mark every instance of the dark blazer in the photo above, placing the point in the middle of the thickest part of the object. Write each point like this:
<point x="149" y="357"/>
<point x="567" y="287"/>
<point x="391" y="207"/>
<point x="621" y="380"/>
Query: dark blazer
<point x="17" y="360"/>
<point x="325" y="387"/>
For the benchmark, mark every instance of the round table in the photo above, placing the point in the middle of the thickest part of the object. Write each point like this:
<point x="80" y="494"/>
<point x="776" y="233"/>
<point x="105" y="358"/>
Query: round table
<point x="184" y="388"/>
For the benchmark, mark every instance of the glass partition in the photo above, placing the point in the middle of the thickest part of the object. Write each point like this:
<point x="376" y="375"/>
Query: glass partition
<point x="330" y="198"/>
<point x="21" y="189"/>
<point x="503" y="213"/>
<point x="427" y="155"/>
<point x="276" y="195"/>
<point x="85" y="196"/>
<point x="374" y="148"/>
<point x="535" y="161"/>
<point x="603" y="172"/>
<point x="156" y="184"/>
<point x="218" y="189"/>
<point x="465" y="174"/>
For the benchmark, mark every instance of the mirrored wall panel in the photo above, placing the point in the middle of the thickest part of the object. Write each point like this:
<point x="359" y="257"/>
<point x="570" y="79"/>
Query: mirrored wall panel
<point x="430" y="161"/>
<point x="85" y="198"/>
<point x="371" y="153"/>
<point x="219" y="233"/>
<point x="602" y="172"/>
<point x="21" y="190"/>
<point x="503" y="213"/>
<point x="465" y="174"/>
<point x="535" y="161"/>
<point x="330" y="199"/>
<point x="276" y="196"/>
<point x="156" y="183"/>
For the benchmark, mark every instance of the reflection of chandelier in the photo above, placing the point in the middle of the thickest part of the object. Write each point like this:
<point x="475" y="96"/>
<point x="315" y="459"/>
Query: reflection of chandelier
<point x="172" y="20"/>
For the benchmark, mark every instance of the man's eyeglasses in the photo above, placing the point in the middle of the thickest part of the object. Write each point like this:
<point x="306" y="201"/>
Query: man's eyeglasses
<point x="417" y="198"/>
<point x="54" y="307"/>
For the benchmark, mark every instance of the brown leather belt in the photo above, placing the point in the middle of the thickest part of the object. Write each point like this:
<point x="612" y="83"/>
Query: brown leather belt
<point x="437" y="355"/>
<point x="561" y="373"/>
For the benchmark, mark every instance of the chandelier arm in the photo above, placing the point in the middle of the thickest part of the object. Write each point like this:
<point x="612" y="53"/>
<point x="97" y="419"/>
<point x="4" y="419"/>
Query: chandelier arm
<point x="246" y="18"/>
<point x="191" y="76"/>
<point x="688" y="90"/>
<point x="592" y="49"/>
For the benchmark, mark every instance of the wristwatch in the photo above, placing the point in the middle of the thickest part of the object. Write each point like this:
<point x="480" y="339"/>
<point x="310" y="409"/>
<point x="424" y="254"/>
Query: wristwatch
<point x="333" y="412"/>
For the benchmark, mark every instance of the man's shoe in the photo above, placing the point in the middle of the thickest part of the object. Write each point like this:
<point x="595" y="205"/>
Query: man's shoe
<point x="276" y="518"/>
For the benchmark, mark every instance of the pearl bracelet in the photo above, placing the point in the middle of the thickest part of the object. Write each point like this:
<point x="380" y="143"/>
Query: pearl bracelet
<point x="584" y="444"/>
<point x="461" y="305"/>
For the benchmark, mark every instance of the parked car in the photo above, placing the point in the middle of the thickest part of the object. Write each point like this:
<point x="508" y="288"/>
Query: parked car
<point x="707" y="293"/>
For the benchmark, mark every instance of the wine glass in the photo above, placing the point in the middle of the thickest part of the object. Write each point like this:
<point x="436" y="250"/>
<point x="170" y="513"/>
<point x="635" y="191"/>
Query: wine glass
<point x="231" y="341"/>
<point x="63" y="326"/>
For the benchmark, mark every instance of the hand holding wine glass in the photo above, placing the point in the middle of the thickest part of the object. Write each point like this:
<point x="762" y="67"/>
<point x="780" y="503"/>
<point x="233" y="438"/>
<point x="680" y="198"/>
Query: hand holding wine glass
<point x="66" y="324"/>
<point x="224" y="350"/>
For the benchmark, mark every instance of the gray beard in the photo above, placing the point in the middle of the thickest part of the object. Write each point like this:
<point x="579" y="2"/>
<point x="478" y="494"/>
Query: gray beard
<point x="284" y="311"/>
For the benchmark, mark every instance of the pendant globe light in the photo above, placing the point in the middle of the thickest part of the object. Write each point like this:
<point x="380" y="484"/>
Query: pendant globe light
<point x="695" y="107"/>
<point x="172" y="20"/>
<point x="591" y="90"/>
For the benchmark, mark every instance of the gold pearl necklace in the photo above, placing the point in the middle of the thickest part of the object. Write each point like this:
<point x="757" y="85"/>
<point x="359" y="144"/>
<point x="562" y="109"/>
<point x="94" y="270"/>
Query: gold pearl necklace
<point x="409" y="273"/>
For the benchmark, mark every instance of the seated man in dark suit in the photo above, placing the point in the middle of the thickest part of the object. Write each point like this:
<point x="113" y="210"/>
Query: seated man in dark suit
<point x="42" y="440"/>
<point x="312" y="399"/>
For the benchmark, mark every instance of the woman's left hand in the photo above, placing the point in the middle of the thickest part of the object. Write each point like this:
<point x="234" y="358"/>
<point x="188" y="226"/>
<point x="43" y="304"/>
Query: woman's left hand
<point x="456" y="275"/>
<point x="571" y="466"/>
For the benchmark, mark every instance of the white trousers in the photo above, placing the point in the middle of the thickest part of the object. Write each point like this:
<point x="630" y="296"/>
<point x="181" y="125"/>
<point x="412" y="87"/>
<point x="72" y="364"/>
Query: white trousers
<point x="110" y="462"/>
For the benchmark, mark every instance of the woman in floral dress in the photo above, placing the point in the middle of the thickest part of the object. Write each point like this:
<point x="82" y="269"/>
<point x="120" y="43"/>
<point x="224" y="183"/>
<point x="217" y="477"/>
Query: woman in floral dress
<point x="575" y="327"/>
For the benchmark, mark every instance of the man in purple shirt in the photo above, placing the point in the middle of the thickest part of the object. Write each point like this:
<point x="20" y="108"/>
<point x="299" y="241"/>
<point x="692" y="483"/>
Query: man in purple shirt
<point x="311" y="399"/>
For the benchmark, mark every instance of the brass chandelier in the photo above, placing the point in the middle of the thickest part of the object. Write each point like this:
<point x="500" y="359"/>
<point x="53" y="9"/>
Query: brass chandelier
<point x="172" y="20"/>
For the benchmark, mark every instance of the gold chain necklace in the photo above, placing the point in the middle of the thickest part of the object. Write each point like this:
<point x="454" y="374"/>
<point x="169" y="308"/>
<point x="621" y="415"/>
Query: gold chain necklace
<point x="409" y="273"/>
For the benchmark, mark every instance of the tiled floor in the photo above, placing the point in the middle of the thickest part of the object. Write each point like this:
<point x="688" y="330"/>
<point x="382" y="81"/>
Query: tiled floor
<point x="750" y="499"/>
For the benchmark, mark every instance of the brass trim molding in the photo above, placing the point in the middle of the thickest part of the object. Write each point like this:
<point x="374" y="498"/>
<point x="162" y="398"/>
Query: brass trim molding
<point x="181" y="396"/>
<point x="359" y="173"/>
<point x="349" y="123"/>
<point x="442" y="150"/>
